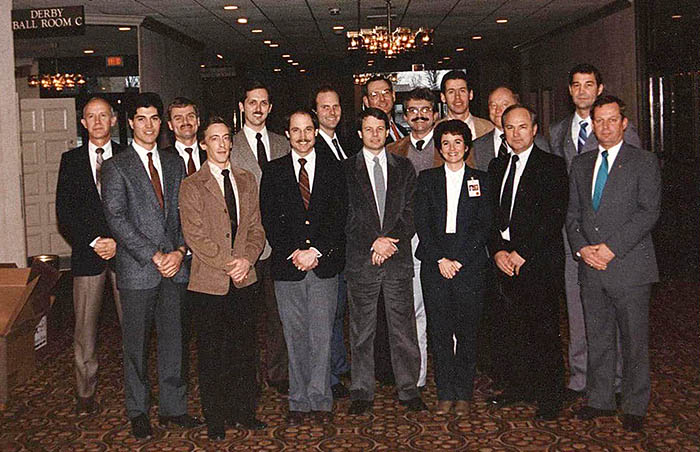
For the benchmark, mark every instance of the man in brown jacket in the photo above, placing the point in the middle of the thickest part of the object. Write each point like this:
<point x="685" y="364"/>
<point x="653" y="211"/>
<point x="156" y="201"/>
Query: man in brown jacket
<point x="220" y="217"/>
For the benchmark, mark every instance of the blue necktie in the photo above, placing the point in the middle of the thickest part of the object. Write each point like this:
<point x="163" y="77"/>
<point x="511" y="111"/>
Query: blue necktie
<point x="582" y="136"/>
<point x="600" y="180"/>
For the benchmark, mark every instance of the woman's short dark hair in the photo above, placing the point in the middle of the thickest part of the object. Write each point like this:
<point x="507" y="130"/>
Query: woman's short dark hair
<point x="453" y="127"/>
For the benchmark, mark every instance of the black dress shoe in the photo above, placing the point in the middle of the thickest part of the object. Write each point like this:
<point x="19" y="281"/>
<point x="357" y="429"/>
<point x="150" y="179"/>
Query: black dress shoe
<point x="340" y="391"/>
<point x="506" y="399"/>
<point x="295" y="418"/>
<point x="251" y="423"/>
<point x="360" y="406"/>
<point x="632" y="423"/>
<point x="414" y="404"/>
<point x="183" y="420"/>
<point x="216" y="431"/>
<point x="571" y="395"/>
<point x="281" y="386"/>
<point x="85" y="406"/>
<point x="588" y="412"/>
<point x="141" y="427"/>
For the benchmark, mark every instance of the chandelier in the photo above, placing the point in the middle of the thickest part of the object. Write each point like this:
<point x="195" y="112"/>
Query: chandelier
<point x="361" y="79"/>
<point x="390" y="42"/>
<point x="56" y="81"/>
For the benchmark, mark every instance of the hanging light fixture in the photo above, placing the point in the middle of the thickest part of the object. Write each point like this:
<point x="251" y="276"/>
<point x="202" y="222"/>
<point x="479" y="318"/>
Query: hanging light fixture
<point x="56" y="81"/>
<point x="388" y="41"/>
<point x="361" y="79"/>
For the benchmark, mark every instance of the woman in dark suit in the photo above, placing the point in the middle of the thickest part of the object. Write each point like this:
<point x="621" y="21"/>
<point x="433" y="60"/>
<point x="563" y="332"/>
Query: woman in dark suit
<point x="453" y="220"/>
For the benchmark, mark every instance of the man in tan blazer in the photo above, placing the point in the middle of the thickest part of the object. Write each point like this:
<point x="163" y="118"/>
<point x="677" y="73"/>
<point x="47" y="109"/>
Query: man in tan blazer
<point x="456" y="93"/>
<point x="221" y="223"/>
<point x="252" y="148"/>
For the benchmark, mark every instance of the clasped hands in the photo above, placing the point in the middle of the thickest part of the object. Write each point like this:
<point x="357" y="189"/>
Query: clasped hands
<point x="168" y="264"/>
<point x="304" y="260"/>
<point x="106" y="248"/>
<point x="449" y="268"/>
<point x="597" y="256"/>
<point x="240" y="267"/>
<point x="509" y="263"/>
<point x="382" y="249"/>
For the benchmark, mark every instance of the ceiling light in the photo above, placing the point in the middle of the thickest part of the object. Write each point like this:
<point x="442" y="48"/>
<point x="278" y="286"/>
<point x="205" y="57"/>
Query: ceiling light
<point x="230" y="7"/>
<point x="124" y="28"/>
<point x="290" y="61"/>
<point x="338" y="27"/>
<point x="267" y="41"/>
<point x="256" y="30"/>
<point x="676" y="16"/>
<point x="476" y="37"/>
<point x="219" y="56"/>
<point x="302" y="70"/>
<point x="88" y="51"/>
<point x="285" y="55"/>
<point x="277" y="69"/>
<point x="296" y="63"/>
<point x="242" y="20"/>
<point x="446" y="58"/>
<point x="459" y="49"/>
<point x="501" y="21"/>
<point x="201" y="65"/>
<point x="274" y="45"/>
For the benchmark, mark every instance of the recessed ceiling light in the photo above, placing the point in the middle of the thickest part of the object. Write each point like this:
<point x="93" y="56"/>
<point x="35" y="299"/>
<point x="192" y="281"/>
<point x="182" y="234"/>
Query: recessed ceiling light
<point x="285" y="55"/>
<point x="277" y="69"/>
<point x="242" y="20"/>
<point x="230" y="7"/>
<point x="290" y="61"/>
<point x="440" y="62"/>
<point x="274" y="45"/>
<point x="256" y="30"/>
<point x="302" y="70"/>
<point x="201" y="65"/>
<point x="219" y="56"/>
<point x="459" y="49"/>
<point x="267" y="41"/>
<point x="501" y="21"/>
<point x="338" y="27"/>
<point x="124" y="28"/>
<point x="476" y="37"/>
<point x="88" y="51"/>
<point x="296" y="63"/>
<point x="676" y="16"/>
<point x="446" y="58"/>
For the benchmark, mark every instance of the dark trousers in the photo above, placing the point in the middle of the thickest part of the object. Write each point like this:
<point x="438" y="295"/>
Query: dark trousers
<point x="490" y="354"/>
<point x="534" y="366"/>
<point x="339" y="360"/>
<point x="225" y="326"/>
<point x="275" y="347"/>
<point x="453" y="307"/>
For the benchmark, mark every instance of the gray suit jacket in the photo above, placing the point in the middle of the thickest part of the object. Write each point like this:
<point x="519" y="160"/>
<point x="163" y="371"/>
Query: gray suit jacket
<point x="627" y="213"/>
<point x="483" y="150"/>
<point x="244" y="157"/>
<point x="562" y="145"/>
<point x="362" y="227"/>
<point x="140" y="227"/>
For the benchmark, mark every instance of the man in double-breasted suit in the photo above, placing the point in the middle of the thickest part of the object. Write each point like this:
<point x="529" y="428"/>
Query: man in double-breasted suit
<point x="82" y="223"/>
<point x="140" y="195"/>
<point x="529" y="199"/>
<point x="252" y="148"/>
<point x="303" y="204"/>
<point x="378" y="231"/>
<point x="614" y="202"/>
<point x="570" y="137"/>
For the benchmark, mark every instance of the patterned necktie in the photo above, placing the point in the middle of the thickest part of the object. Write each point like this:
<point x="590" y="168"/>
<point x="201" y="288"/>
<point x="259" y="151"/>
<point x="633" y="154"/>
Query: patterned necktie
<point x="155" y="180"/>
<point x="419" y="145"/>
<point x="582" y="136"/>
<point x="379" y="189"/>
<point x="304" y="186"/>
<point x="262" y="155"/>
<point x="190" y="162"/>
<point x="230" y="199"/>
<point x="600" y="180"/>
<point x="503" y="149"/>
<point x="395" y="130"/>
<point x="338" y="151"/>
<point x="507" y="195"/>
<point x="98" y="170"/>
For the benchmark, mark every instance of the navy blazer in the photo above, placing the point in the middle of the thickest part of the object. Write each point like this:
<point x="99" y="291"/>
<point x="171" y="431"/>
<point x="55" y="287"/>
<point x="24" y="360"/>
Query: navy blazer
<point x="474" y="220"/>
<point x="290" y="226"/>
<point x="79" y="210"/>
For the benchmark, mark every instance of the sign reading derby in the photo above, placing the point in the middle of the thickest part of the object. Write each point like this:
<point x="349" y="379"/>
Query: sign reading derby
<point x="46" y="22"/>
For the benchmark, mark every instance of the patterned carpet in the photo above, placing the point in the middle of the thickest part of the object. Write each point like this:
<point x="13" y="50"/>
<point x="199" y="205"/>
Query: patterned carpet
<point x="40" y="414"/>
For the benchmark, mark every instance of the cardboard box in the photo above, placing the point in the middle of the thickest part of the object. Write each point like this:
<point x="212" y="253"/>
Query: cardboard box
<point x="24" y="299"/>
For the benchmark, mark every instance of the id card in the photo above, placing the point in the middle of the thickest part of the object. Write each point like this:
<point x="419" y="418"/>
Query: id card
<point x="473" y="188"/>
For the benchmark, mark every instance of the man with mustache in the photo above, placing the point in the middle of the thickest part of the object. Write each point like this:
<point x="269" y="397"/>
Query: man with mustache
<point x="420" y="112"/>
<point x="252" y="148"/>
<point x="455" y="92"/>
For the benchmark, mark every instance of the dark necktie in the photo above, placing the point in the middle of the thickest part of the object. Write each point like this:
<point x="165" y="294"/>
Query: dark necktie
<point x="507" y="195"/>
<point x="155" y="180"/>
<point x="190" y="162"/>
<point x="262" y="155"/>
<point x="98" y="169"/>
<point x="395" y="130"/>
<point x="336" y="145"/>
<point x="304" y="186"/>
<point x="230" y="199"/>
<point x="600" y="180"/>
<point x="582" y="136"/>
<point x="419" y="145"/>
<point x="503" y="149"/>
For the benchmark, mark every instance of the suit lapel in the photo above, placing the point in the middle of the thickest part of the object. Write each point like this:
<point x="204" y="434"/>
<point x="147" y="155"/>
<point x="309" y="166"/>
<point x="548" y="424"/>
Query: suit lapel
<point x="616" y="176"/>
<point x="366" y="187"/>
<point x="588" y="168"/>
<point x="85" y="173"/>
<point x="212" y="186"/>
<point x="391" y="205"/>
<point x="169" y="181"/>
<point x="441" y="198"/>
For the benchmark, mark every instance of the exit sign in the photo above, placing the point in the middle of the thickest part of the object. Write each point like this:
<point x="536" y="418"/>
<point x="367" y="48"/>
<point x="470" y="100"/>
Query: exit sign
<point x="113" y="61"/>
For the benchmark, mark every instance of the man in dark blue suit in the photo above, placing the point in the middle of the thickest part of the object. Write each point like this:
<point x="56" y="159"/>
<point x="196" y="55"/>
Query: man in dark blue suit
<point x="82" y="223"/>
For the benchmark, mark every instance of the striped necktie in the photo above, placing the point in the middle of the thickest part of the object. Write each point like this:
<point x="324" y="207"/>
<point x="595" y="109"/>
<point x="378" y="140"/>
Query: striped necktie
<point x="582" y="136"/>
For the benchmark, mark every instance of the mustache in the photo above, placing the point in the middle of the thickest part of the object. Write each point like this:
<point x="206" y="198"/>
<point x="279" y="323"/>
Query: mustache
<point x="420" y="118"/>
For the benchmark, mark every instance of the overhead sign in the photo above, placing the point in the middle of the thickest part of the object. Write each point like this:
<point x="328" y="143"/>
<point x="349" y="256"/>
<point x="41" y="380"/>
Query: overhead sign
<point x="47" y="22"/>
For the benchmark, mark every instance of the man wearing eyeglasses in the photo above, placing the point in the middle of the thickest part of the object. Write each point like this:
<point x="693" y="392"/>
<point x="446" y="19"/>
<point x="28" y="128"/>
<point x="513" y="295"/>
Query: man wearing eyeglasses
<point x="420" y="113"/>
<point x="379" y="93"/>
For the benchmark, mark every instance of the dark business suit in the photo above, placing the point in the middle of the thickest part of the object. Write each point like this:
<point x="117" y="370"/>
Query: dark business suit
<point x="453" y="306"/>
<point x="173" y="150"/>
<point x="530" y="300"/>
<point x="563" y="145"/>
<point x="142" y="228"/>
<point x="307" y="300"/>
<point x="243" y="156"/>
<point x="81" y="220"/>
<point x="392" y="278"/>
<point x="619" y="295"/>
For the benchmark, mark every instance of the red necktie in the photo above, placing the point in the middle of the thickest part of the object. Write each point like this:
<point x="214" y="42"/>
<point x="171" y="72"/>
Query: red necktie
<point x="190" y="163"/>
<point x="304" y="187"/>
<point x="155" y="180"/>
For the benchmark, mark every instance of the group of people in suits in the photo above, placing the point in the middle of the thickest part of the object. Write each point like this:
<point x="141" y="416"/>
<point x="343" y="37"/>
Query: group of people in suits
<point x="460" y="232"/>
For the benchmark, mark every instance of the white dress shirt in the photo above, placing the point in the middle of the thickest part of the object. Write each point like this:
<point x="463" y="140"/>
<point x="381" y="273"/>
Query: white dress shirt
<point x="216" y="172"/>
<point x="497" y="141"/>
<point x="107" y="148"/>
<point x="612" y="155"/>
<point x="309" y="166"/>
<point x="253" y="142"/>
<point x="329" y="142"/>
<point x="369" y="162"/>
<point x="180" y="147"/>
<point x="143" y="155"/>
<point x="453" y="182"/>
<point x="426" y="139"/>
<point x="470" y="123"/>
<point x="576" y="127"/>
<point x="520" y="167"/>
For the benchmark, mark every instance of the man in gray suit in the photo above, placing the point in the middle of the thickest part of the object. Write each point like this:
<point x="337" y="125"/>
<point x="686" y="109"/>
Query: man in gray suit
<point x="378" y="232"/>
<point x="252" y="148"/>
<point x="568" y="138"/>
<point x="140" y="194"/>
<point x="614" y="202"/>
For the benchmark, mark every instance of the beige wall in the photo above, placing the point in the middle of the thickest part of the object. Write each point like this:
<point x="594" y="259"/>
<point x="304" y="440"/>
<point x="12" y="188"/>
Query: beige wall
<point x="608" y="43"/>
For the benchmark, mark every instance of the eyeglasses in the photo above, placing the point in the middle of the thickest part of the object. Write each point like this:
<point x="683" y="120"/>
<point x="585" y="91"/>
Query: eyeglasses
<point x="376" y="94"/>
<point x="415" y="110"/>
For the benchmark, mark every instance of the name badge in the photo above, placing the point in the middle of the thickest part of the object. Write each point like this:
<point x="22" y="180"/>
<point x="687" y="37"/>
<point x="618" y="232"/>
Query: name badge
<point x="473" y="188"/>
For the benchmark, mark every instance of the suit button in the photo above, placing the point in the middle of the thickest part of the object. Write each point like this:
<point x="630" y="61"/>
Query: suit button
<point x="307" y="222"/>
<point x="308" y="241"/>
<point x="225" y="211"/>
<point x="228" y="235"/>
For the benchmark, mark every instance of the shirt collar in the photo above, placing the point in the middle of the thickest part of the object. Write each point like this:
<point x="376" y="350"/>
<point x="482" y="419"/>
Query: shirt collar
<point x="181" y="146"/>
<point x="578" y="119"/>
<point x="524" y="156"/>
<point x="143" y="152"/>
<point x="425" y="139"/>
<point x="328" y="138"/>
<point x="369" y="156"/>
<point x="107" y="148"/>
<point x="250" y="133"/>
<point x="310" y="157"/>
<point x="216" y="171"/>
<point x="612" y="152"/>
<point x="459" y="173"/>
